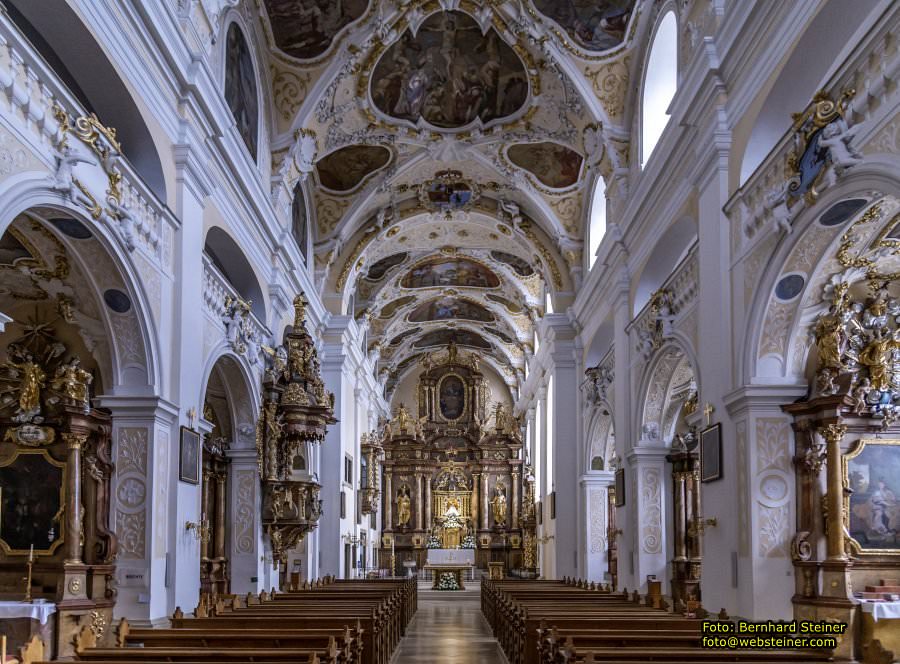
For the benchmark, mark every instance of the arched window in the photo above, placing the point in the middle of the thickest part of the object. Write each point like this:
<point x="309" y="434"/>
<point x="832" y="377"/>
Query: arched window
<point x="298" y="220"/>
<point x="660" y="83"/>
<point x="597" y="227"/>
<point x="240" y="87"/>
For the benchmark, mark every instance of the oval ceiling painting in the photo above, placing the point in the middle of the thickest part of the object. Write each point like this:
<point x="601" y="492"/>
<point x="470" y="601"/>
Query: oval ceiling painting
<point x="554" y="165"/>
<point x="450" y="74"/>
<point x="459" y="337"/>
<point x="450" y="308"/>
<point x="595" y="25"/>
<point x="306" y="28"/>
<point x="344" y="169"/>
<point x="450" y="272"/>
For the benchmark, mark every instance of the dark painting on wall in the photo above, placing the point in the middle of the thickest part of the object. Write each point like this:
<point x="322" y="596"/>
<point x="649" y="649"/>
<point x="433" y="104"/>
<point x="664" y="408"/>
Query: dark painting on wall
<point x="450" y="272"/>
<point x="240" y="87"/>
<point x="306" y="28"/>
<point x="595" y="25"/>
<point x="874" y="479"/>
<point x="554" y="165"/>
<point x="711" y="453"/>
<point x="450" y="308"/>
<point x="31" y="496"/>
<point x="189" y="456"/>
<point x="450" y="74"/>
<point x="299" y="219"/>
<point x="345" y="169"/>
<point x="452" y="395"/>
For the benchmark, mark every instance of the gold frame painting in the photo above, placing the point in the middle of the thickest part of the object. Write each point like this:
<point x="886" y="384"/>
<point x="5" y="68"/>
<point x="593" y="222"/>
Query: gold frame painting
<point x="60" y="518"/>
<point x="465" y="395"/>
<point x="870" y="508"/>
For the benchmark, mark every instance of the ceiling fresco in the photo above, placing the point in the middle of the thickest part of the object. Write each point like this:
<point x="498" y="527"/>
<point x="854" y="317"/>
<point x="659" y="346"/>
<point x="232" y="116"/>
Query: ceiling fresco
<point x="450" y="147"/>
<point x="306" y="28"/>
<point x="345" y="169"/>
<point x="450" y="308"/>
<point x="449" y="74"/>
<point x="595" y="25"/>
<point x="450" y="272"/>
<point x="554" y="165"/>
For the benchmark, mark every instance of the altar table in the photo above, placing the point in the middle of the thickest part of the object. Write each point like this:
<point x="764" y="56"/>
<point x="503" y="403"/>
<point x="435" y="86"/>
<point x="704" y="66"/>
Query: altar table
<point x="19" y="621"/>
<point x="881" y="620"/>
<point x="451" y="557"/>
<point x="455" y="570"/>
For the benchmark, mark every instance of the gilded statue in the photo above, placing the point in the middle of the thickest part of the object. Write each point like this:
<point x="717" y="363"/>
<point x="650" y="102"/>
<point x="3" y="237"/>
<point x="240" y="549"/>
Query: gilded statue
<point x="499" y="506"/>
<point x="403" y="418"/>
<point x="31" y="383"/>
<point x="876" y="357"/>
<point x="829" y="339"/>
<point x="72" y="380"/>
<point x="404" y="508"/>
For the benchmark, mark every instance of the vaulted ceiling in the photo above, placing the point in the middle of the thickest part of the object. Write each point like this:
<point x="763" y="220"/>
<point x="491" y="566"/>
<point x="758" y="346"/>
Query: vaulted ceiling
<point x="446" y="151"/>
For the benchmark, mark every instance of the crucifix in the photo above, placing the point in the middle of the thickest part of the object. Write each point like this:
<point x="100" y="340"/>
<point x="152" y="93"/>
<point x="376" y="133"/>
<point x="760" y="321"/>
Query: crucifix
<point x="707" y="412"/>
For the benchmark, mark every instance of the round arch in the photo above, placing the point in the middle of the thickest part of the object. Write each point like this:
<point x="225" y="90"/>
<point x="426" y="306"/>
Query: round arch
<point x="668" y="381"/>
<point x="231" y="376"/>
<point x="231" y="261"/>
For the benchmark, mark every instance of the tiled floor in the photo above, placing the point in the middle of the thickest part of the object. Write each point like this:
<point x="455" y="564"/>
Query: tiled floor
<point x="448" y="628"/>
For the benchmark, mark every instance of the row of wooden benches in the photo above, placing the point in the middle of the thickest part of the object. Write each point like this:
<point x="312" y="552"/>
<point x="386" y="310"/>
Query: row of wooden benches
<point x="566" y="622"/>
<point x="333" y="622"/>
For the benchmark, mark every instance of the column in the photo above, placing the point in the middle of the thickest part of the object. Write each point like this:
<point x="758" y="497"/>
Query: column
<point x="514" y="516"/>
<point x="246" y="550"/>
<point x="833" y="434"/>
<point x="680" y="520"/>
<point x="74" y="509"/>
<point x="484" y="500"/>
<point x="421" y="496"/>
<point x="595" y="486"/>
<point x="205" y="511"/>
<point x="645" y="493"/>
<point x="428" y="503"/>
<point x="388" y="499"/>
<point x="220" y="516"/>
<point x="476" y="482"/>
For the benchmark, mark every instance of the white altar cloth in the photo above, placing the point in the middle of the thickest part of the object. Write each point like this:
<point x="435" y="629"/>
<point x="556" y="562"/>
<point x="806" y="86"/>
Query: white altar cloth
<point x="33" y="610"/>
<point x="451" y="556"/>
<point x="882" y="610"/>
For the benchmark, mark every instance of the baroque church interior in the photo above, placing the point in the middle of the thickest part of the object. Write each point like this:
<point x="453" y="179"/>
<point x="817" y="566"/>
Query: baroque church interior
<point x="385" y="331"/>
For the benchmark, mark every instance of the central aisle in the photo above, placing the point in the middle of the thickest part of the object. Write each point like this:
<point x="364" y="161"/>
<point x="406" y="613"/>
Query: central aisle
<point x="448" y="628"/>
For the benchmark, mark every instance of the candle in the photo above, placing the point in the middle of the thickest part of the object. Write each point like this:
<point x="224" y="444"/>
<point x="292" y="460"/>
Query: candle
<point x="31" y="554"/>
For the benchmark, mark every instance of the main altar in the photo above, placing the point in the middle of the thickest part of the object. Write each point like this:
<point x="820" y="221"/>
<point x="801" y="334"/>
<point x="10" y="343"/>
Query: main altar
<point x="452" y="475"/>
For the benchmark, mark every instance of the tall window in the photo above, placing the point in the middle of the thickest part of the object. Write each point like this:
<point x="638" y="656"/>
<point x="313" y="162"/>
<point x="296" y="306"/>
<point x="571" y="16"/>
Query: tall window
<point x="660" y="83"/>
<point x="597" y="227"/>
<point x="538" y="448"/>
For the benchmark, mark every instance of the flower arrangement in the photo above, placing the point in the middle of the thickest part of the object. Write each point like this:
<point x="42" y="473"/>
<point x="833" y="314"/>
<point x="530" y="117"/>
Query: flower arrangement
<point x="433" y="542"/>
<point x="468" y="542"/>
<point x="447" y="581"/>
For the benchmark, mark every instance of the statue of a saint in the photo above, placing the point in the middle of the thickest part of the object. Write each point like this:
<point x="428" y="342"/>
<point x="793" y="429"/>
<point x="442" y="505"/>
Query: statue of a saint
<point x="829" y="339"/>
<point x="32" y="381"/>
<point x="876" y="357"/>
<point x="403" y="418"/>
<point x="404" y="511"/>
<point x="72" y="380"/>
<point x="498" y="505"/>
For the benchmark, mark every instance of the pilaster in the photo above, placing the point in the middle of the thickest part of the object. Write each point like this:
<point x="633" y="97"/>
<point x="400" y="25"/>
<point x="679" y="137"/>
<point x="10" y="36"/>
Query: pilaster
<point x="595" y="496"/>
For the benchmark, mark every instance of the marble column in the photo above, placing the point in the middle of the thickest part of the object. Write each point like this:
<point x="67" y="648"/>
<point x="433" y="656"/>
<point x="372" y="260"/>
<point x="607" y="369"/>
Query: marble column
<point x="220" y="516"/>
<point x="476" y="482"/>
<point x="514" y="517"/>
<point x="484" y="500"/>
<point x="421" y="508"/>
<point x="427" y="481"/>
<point x="74" y="509"/>
<point x="388" y="499"/>
<point x="680" y="516"/>
<point x="833" y="434"/>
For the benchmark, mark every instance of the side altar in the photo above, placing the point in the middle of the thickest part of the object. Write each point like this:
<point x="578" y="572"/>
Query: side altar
<point x="451" y="477"/>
